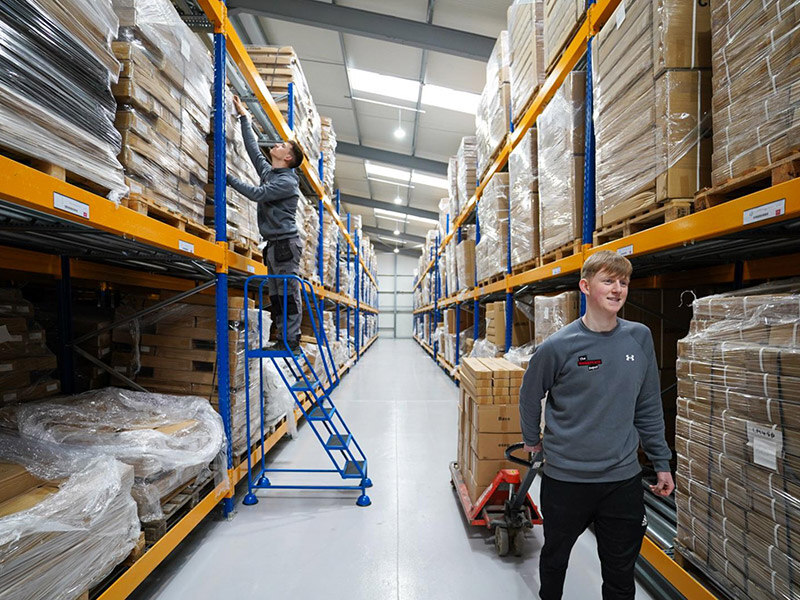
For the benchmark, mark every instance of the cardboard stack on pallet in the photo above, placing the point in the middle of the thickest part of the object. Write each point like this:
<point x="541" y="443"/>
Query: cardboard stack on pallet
<point x="452" y="183"/>
<point x="467" y="170"/>
<point x="280" y="68"/>
<point x="522" y="329"/>
<point x="523" y="195"/>
<point x="492" y="118"/>
<point x="56" y="71"/>
<point x="465" y="258"/>
<point x="738" y="441"/>
<point x="307" y="218"/>
<point x="561" y="147"/>
<point x="755" y="90"/>
<point x="526" y="47"/>
<point x="328" y="149"/>
<point x="330" y="233"/>
<point x="491" y="253"/>
<point x="164" y="107"/>
<point x="26" y="365"/>
<point x="652" y="99"/>
<point x="488" y="419"/>
<point x="554" y="312"/>
<point x="561" y="19"/>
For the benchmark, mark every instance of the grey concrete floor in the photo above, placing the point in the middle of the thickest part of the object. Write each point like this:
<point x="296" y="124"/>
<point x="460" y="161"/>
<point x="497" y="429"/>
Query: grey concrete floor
<point x="411" y="544"/>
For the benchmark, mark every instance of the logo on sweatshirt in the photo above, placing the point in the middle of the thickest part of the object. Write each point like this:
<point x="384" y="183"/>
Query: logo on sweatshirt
<point x="630" y="357"/>
<point x="593" y="364"/>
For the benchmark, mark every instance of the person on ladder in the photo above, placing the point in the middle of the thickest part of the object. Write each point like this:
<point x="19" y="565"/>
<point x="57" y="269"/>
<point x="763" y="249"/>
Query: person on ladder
<point x="277" y="196"/>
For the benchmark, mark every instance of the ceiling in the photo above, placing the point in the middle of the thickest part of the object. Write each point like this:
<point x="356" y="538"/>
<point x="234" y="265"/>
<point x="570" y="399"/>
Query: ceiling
<point x="423" y="41"/>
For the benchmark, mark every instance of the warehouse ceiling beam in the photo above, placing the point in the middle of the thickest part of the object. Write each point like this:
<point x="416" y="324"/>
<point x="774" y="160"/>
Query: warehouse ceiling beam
<point x="392" y="158"/>
<point x="405" y="237"/>
<point x="372" y="25"/>
<point x="407" y="210"/>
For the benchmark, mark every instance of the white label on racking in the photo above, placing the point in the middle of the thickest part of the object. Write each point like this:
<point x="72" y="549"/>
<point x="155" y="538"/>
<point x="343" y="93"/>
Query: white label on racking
<point x="557" y="270"/>
<point x="4" y="335"/>
<point x="625" y="250"/>
<point x="186" y="246"/>
<point x="251" y="269"/>
<point x="766" y="442"/>
<point x="620" y="14"/>
<point x="62" y="202"/>
<point x="766" y="211"/>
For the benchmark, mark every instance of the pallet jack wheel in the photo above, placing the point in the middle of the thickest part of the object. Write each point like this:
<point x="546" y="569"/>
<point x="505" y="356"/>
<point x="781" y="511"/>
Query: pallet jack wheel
<point x="501" y="540"/>
<point x="518" y="542"/>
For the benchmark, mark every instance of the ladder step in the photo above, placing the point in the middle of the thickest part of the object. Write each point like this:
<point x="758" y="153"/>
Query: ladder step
<point x="354" y="469"/>
<point x="338" y="441"/>
<point x="321" y="413"/>
<point x="301" y="386"/>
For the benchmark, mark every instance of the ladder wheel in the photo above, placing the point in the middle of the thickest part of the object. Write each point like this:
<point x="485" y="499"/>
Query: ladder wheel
<point x="518" y="542"/>
<point x="501" y="541"/>
<point x="452" y="484"/>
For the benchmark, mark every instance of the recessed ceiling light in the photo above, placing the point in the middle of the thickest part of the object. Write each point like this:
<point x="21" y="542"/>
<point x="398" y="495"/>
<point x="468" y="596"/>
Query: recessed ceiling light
<point x="398" y="200"/>
<point x="397" y="250"/>
<point x="399" y="133"/>
<point x="396" y="232"/>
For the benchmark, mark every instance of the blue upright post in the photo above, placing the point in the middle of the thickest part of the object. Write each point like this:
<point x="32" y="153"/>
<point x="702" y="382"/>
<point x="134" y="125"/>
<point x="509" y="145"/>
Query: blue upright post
<point x="436" y="292"/>
<point x="320" y="244"/>
<point x="348" y="277"/>
<point x="357" y="266"/>
<point x="458" y="309"/>
<point x="321" y="168"/>
<point x="589" y="156"/>
<point x="509" y="295"/>
<point x="221" y="226"/>
<point x="290" y="112"/>
<point x="338" y="281"/>
<point x="476" y="305"/>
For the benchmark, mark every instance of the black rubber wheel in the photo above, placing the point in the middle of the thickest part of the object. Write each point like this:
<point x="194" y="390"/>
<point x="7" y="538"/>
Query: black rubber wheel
<point x="452" y="484"/>
<point x="501" y="541"/>
<point x="518" y="542"/>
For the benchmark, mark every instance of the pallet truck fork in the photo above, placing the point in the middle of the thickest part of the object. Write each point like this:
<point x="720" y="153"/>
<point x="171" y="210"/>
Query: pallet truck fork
<point x="504" y="507"/>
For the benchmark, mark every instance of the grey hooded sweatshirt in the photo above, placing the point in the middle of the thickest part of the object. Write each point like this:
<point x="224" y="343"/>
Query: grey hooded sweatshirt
<point x="277" y="194"/>
<point x="604" y="397"/>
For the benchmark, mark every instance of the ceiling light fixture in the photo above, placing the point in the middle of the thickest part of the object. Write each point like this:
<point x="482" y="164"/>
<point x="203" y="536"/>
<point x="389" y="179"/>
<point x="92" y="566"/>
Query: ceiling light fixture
<point x="399" y="133"/>
<point x="389" y="104"/>
<point x="397" y="250"/>
<point x="396" y="231"/>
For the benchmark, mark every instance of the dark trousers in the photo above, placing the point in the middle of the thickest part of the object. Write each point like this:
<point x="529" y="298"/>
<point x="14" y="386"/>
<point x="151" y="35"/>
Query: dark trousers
<point x="283" y="258"/>
<point x="617" y="511"/>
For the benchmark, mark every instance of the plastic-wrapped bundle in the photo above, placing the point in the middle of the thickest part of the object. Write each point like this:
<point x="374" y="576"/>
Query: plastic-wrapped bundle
<point x="526" y="48"/>
<point x="756" y="95"/>
<point x="561" y="18"/>
<point x="491" y="252"/>
<point x="307" y="217"/>
<point x="330" y="234"/>
<point x="492" y="117"/>
<point x="56" y="71"/>
<point x="467" y="169"/>
<point x="164" y="97"/>
<point x="452" y="267"/>
<point x="484" y="349"/>
<point x="168" y="440"/>
<point x="738" y="439"/>
<point x="445" y="218"/>
<point x="520" y="355"/>
<point x="465" y="258"/>
<point x="328" y="150"/>
<point x="554" y="312"/>
<point x="523" y="196"/>
<point x="560" y="141"/>
<point x="66" y="519"/>
<point x="652" y="100"/>
<point x="452" y="182"/>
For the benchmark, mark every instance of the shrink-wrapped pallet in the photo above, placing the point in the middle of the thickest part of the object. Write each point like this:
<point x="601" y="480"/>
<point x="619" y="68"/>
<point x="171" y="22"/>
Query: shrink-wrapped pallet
<point x="56" y="71"/>
<point x="465" y="258"/>
<point x="756" y="95"/>
<point x="328" y="150"/>
<point x="523" y="198"/>
<point x="164" y="106"/>
<point x="307" y="218"/>
<point x="445" y="218"/>
<point x="554" y="312"/>
<point x="452" y="185"/>
<point x="652" y="100"/>
<point x="67" y="519"/>
<point x="526" y="49"/>
<point x="492" y="117"/>
<point x="491" y="252"/>
<point x="738" y="440"/>
<point x="561" y="19"/>
<point x="467" y="170"/>
<point x="560" y="148"/>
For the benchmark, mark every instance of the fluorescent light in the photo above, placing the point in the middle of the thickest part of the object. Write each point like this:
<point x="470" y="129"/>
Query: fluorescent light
<point x="379" y="180"/>
<point x="397" y="250"/>
<point x="391" y="239"/>
<point x="391" y="173"/>
<point x="430" y="180"/>
<point x="402" y="217"/>
<point x="389" y="104"/>
<point x="398" y="200"/>
<point x="436" y="95"/>
<point x="399" y="133"/>
<point x="396" y="232"/>
<point x="384" y="85"/>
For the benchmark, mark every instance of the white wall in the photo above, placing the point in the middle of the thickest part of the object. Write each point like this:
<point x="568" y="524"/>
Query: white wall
<point x="395" y="282"/>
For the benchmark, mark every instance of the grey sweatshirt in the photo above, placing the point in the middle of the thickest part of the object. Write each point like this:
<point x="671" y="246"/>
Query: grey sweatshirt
<point x="277" y="194"/>
<point x="604" y="397"/>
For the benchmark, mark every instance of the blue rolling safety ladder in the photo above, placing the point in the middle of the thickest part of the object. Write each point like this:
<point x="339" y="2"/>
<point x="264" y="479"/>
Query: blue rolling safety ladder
<point x="326" y="421"/>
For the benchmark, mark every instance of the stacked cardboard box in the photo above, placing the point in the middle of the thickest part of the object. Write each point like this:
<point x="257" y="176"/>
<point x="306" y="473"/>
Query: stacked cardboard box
<point x="526" y="46"/>
<point x="561" y="19"/>
<point x="328" y="149"/>
<point x="652" y="100"/>
<point x="561" y="146"/>
<point x="467" y="169"/>
<point x="492" y="118"/>
<point x="738" y="440"/>
<point x="554" y="312"/>
<point x="280" y="68"/>
<point x="523" y="195"/>
<point x="451" y="268"/>
<point x="522" y="328"/>
<point x="26" y="365"/>
<point x="491" y="253"/>
<point x="164" y="98"/>
<point x="452" y="184"/>
<point x="307" y="219"/>
<point x="465" y="258"/>
<point x="488" y="419"/>
<point x="756" y="93"/>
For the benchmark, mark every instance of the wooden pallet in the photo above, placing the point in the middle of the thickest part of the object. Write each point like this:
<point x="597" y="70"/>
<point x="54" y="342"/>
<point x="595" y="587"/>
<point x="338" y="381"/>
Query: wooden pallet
<point x="154" y="210"/>
<point x="752" y="181"/>
<point x="176" y="505"/>
<point x="526" y="266"/>
<point x="568" y="249"/>
<point x="560" y="52"/>
<point x="490" y="280"/>
<point x="268" y="431"/>
<point x="137" y="552"/>
<point x="657" y="214"/>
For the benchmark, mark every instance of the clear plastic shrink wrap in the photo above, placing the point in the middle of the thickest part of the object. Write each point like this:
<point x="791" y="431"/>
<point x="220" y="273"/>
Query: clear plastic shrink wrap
<point x="523" y="195"/>
<point x="452" y="182"/>
<point x="168" y="440"/>
<point x="465" y="258"/>
<point x="483" y="348"/>
<point x="551" y="313"/>
<point x="445" y="218"/>
<point x="56" y="71"/>
<point x="652" y="102"/>
<point x="738" y="440"/>
<point x="492" y="117"/>
<point x="756" y="96"/>
<point x="164" y="97"/>
<point x="526" y="49"/>
<point x="560" y="140"/>
<point x="307" y="220"/>
<point x="467" y="175"/>
<point x="561" y="17"/>
<point x="66" y="519"/>
<point x="491" y="252"/>
<point x="328" y="150"/>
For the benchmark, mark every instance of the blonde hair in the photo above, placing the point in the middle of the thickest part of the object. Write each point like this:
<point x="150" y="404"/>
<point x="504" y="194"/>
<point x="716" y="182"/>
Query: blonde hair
<point x="608" y="261"/>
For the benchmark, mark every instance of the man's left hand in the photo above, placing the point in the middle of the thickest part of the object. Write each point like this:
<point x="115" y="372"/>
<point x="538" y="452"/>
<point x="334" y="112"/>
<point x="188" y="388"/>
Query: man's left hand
<point x="664" y="485"/>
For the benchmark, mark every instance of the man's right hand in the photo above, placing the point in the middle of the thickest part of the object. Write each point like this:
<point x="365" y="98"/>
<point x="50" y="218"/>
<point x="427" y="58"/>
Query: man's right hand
<point x="533" y="449"/>
<point x="239" y="106"/>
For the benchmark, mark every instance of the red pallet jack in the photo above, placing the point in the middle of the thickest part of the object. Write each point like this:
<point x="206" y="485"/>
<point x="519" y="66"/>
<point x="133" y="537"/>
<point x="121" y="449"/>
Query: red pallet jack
<point x="505" y="506"/>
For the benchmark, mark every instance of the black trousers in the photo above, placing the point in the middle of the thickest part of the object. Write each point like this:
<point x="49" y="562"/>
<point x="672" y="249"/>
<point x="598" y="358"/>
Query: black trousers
<point x="617" y="511"/>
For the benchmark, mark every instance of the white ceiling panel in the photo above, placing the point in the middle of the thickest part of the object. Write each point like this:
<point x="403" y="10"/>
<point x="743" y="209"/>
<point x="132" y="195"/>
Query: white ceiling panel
<point x="455" y="72"/>
<point x="386" y="58"/>
<point x="344" y="123"/>
<point x="415" y="10"/>
<point x="308" y="42"/>
<point x="485" y="17"/>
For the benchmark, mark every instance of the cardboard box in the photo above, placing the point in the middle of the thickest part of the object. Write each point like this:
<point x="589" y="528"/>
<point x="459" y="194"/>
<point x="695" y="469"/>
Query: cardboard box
<point x="496" y="418"/>
<point x="484" y="471"/>
<point x="492" y="446"/>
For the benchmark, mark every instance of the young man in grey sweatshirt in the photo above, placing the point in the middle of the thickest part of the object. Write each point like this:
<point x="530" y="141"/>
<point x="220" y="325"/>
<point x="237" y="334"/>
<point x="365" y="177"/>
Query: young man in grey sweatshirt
<point x="277" y="195"/>
<point x="601" y="380"/>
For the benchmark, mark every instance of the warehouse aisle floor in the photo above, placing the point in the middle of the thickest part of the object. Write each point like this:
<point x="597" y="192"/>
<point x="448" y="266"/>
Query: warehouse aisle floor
<point x="411" y="544"/>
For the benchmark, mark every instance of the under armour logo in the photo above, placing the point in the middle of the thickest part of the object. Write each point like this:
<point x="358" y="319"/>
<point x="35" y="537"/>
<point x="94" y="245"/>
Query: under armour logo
<point x="630" y="357"/>
<point x="644" y="521"/>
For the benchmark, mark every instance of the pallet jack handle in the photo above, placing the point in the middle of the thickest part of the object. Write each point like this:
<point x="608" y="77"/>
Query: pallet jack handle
<point x="517" y="500"/>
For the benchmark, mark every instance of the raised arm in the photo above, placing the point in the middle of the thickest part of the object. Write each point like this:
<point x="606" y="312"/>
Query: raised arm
<point x="253" y="151"/>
